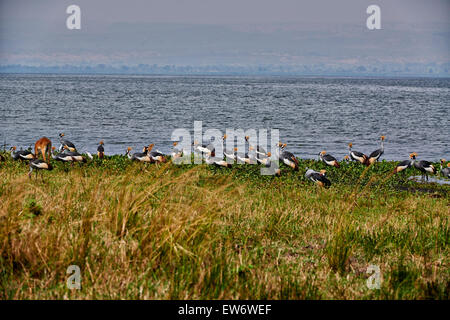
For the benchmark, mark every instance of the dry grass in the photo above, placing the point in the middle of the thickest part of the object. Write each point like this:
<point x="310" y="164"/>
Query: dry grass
<point x="197" y="233"/>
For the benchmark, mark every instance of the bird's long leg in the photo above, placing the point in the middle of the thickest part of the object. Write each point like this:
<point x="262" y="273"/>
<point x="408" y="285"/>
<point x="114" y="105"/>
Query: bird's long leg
<point x="29" y="172"/>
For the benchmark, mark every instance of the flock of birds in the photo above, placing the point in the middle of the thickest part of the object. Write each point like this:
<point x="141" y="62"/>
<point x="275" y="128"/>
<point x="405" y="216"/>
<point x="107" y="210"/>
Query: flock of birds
<point x="67" y="152"/>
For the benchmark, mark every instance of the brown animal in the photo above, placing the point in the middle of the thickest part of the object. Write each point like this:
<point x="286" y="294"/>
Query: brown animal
<point x="44" y="145"/>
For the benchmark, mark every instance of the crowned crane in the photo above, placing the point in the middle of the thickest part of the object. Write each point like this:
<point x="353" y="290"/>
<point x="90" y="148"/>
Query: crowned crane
<point x="258" y="149"/>
<point x="445" y="171"/>
<point x="138" y="156"/>
<point x="203" y="148"/>
<point x="44" y="145"/>
<point x="21" y="154"/>
<point x="355" y="155"/>
<point x="423" y="166"/>
<point x="63" y="157"/>
<point x="287" y="157"/>
<point x="66" y="143"/>
<point x="249" y="157"/>
<point x="38" y="164"/>
<point x="374" y="156"/>
<point x="318" y="178"/>
<point x="404" y="164"/>
<point x="264" y="160"/>
<point x="229" y="154"/>
<point x="101" y="150"/>
<point x="217" y="162"/>
<point x="328" y="159"/>
<point x="176" y="153"/>
<point x="77" y="157"/>
<point x="156" y="156"/>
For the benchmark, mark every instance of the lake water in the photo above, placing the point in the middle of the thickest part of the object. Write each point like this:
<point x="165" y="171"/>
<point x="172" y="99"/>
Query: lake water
<point x="312" y="114"/>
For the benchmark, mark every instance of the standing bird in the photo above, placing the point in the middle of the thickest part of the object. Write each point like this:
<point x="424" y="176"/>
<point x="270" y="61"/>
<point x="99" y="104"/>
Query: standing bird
<point x="374" y="156"/>
<point x="328" y="159"/>
<point x="66" y="143"/>
<point x="217" y="162"/>
<point x="44" y="145"/>
<point x="63" y="157"/>
<point x="101" y="150"/>
<point x="38" y="164"/>
<point x="176" y="153"/>
<point x="423" y="166"/>
<point x="258" y="149"/>
<point x="203" y="148"/>
<point x="355" y="155"/>
<point x="404" y="164"/>
<point x="229" y="154"/>
<point x="446" y="171"/>
<point x="249" y="157"/>
<point x="75" y="155"/>
<point x="287" y="157"/>
<point x="156" y="156"/>
<point x="317" y="177"/>
<point x="21" y="154"/>
<point x="138" y="156"/>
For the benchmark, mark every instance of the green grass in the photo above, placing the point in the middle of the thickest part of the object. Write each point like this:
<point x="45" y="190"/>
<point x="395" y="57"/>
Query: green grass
<point x="198" y="232"/>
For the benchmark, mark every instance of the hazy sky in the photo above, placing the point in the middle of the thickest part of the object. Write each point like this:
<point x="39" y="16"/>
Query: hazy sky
<point x="202" y="32"/>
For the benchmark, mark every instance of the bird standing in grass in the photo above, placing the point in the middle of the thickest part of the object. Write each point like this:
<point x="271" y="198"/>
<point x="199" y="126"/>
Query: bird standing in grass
<point x="404" y="164"/>
<point x="77" y="157"/>
<point x="374" y="156"/>
<point x="287" y="157"/>
<point x="38" y="164"/>
<point x="318" y="178"/>
<point x="203" y="148"/>
<point x="101" y="150"/>
<point x="157" y="156"/>
<point x="21" y="154"/>
<point x="66" y="143"/>
<point x="355" y="155"/>
<point x="328" y="159"/>
<point x="423" y="166"/>
<point x="138" y="156"/>
<point x="445" y="171"/>
<point x="217" y="162"/>
<point x="63" y="157"/>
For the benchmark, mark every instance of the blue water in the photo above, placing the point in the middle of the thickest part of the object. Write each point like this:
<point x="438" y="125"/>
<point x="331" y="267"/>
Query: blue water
<point x="312" y="114"/>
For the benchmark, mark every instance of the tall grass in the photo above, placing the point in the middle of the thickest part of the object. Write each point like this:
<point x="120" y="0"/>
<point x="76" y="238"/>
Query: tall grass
<point x="197" y="232"/>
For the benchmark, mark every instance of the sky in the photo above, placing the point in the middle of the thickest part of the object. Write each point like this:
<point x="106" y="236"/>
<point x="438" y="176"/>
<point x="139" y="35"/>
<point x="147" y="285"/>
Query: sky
<point x="232" y="32"/>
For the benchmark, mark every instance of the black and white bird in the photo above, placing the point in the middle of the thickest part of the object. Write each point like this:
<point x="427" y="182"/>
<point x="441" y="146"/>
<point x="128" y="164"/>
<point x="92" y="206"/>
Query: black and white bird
<point x="445" y="172"/>
<point x="177" y="152"/>
<point x="328" y="159"/>
<point x="260" y="151"/>
<point x="248" y="158"/>
<point x="423" y="166"/>
<point x="66" y="144"/>
<point x="203" y="148"/>
<point x="217" y="162"/>
<point x="374" y="156"/>
<point x="287" y="157"/>
<point x="138" y="156"/>
<point x="101" y="150"/>
<point x="355" y="155"/>
<point x="77" y="157"/>
<point x="229" y="154"/>
<point x="38" y="164"/>
<point x="156" y="155"/>
<point x="63" y="157"/>
<point x="404" y="164"/>
<point x="318" y="178"/>
<point x="21" y="154"/>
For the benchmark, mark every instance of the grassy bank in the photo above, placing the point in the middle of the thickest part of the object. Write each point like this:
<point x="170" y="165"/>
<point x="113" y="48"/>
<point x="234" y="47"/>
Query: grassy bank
<point x="197" y="232"/>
